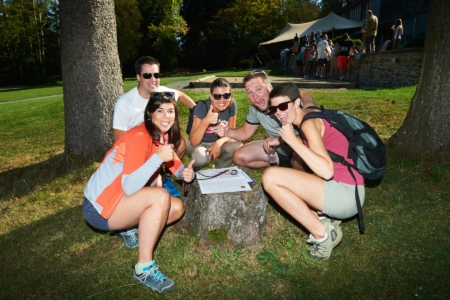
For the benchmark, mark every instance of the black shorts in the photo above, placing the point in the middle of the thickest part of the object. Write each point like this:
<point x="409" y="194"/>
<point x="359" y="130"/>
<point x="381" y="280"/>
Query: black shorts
<point x="322" y="62"/>
<point x="284" y="160"/>
<point x="299" y="63"/>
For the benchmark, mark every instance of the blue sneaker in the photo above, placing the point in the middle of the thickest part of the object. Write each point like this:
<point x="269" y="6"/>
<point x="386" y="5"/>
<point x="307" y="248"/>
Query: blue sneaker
<point x="130" y="238"/>
<point x="170" y="187"/>
<point x="153" y="279"/>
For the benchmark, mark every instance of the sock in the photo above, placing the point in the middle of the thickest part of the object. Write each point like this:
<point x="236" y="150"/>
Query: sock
<point x="321" y="240"/>
<point x="139" y="267"/>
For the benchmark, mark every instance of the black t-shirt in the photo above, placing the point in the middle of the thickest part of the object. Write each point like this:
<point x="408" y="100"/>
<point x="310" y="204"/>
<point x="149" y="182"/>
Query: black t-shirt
<point x="344" y="47"/>
<point x="201" y="110"/>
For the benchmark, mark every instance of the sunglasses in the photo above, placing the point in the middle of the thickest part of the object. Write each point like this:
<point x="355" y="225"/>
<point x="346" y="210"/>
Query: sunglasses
<point x="157" y="95"/>
<point x="225" y="96"/>
<point x="150" y="75"/>
<point x="282" y="107"/>
<point x="257" y="71"/>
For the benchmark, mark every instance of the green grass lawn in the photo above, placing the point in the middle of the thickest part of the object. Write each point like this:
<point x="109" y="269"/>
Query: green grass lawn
<point x="48" y="252"/>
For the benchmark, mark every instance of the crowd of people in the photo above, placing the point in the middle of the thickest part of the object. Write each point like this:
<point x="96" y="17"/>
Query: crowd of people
<point x="131" y="193"/>
<point x="317" y="57"/>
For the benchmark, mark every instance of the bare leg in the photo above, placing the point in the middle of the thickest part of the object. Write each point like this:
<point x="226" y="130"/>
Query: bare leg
<point x="298" y="193"/>
<point x="251" y="155"/>
<point x="152" y="209"/>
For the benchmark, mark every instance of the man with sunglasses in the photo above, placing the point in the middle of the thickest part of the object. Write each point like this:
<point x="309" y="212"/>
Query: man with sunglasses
<point x="129" y="109"/>
<point x="255" y="154"/>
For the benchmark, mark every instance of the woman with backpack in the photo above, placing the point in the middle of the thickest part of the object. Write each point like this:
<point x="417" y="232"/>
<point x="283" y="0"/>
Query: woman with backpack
<point x="317" y="200"/>
<point x="204" y="144"/>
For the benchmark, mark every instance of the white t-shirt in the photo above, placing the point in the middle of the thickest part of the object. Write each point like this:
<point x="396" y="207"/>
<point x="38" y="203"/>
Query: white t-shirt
<point x="321" y="46"/>
<point x="130" y="107"/>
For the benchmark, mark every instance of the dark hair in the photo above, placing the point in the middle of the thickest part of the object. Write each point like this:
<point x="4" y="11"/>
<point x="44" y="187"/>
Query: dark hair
<point x="287" y="89"/>
<point x="219" y="82"/>
<point x="174" y="132"/>
<point x="145" y="60"/>
<point x="345" y="36"/>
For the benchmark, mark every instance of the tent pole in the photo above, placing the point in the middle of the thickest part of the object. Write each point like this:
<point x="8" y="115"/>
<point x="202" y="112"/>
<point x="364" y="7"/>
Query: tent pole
<point x="269" y="56"/>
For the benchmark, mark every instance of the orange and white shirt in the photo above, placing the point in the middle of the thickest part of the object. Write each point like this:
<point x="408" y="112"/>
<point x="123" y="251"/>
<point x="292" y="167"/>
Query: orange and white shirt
<point x="125" y="169"/>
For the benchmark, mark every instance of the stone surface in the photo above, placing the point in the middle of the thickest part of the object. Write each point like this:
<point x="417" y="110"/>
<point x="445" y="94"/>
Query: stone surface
<point x="233" y="219"/>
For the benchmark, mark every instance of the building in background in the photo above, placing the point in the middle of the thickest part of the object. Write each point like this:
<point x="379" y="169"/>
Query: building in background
<point x="414" y="14"/>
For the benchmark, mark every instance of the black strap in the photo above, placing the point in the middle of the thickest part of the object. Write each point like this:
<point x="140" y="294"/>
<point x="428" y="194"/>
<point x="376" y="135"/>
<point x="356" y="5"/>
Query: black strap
<point x="361" y="224"/>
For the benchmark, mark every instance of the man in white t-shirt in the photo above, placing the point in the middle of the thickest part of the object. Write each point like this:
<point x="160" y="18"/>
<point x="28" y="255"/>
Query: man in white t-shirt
<point x="322" y="54"/>
<point x="129" y="108"/>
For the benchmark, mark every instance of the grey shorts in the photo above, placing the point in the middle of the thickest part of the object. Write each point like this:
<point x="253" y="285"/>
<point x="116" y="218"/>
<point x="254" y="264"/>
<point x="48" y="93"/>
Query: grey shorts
<point x="339" y="201"/>
<point x="93" y="217"/>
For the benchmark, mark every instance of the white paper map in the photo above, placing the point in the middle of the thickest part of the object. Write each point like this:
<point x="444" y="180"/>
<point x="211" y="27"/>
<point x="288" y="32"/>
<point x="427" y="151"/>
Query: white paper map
<point x="223" y="183"/>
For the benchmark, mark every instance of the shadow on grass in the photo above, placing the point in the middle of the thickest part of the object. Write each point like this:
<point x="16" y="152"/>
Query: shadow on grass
<point x="22" y="181"/>
<point x="28" y="87"/>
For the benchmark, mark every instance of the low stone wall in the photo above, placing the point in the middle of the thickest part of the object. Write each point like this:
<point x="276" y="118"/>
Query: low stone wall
<point x="387" y="69"/>
<point x="382" y="69"/>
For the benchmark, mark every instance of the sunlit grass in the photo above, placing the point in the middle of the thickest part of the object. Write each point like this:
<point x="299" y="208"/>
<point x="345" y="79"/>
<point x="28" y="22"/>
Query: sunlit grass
<point x="48" y="252"/>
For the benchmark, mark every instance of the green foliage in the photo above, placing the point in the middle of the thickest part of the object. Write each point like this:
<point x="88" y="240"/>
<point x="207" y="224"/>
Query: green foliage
<point x="167" y="31"/>
<point x="301" y="11"/>
<point x="246" y="24"/>
<point x="415" y="42"/>
<point x="338" y="39"/>
<point x="245" y="64"/>
<point x="128" y="19"/>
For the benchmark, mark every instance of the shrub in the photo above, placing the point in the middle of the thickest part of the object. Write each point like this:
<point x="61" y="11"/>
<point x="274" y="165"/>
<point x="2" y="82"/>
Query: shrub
<point x="245" y="64"/>
<point x="415" y="42"/>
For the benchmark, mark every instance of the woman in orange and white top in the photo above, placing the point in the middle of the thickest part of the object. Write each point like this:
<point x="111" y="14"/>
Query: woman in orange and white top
<point x="118" y="197"/>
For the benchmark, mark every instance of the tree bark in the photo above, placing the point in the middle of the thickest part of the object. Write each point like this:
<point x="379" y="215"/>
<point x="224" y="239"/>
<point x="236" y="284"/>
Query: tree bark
<point x="425" y="133"/>
<point x="92" y="80"/>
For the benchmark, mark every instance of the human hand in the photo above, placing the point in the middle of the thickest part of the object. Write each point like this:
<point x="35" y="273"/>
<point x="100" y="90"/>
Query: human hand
<point x="165" y="152"/>
<point x="211" y="117"/>
<point x="188" y="172"/>
<point x="214" y="151"/>
<point x="270" y="143"/>
<point x="287" y="133"/>
<point x="222" y="129"/>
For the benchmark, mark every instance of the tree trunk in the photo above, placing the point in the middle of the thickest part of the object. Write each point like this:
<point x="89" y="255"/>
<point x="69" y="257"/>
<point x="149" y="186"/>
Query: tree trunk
<point x="92" y="80"/>
<point x="425" y="132"/>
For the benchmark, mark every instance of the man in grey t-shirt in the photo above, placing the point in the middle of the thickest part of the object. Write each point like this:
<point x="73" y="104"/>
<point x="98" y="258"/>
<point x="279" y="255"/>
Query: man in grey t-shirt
<point x="255" y="154"/>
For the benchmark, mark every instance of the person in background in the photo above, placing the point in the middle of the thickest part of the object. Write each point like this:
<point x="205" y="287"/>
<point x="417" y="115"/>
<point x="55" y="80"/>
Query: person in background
<point x="370" y="31"/>
<point x="398" y="31"/>
<point x="296" y="44"/>
<point x="322" y="55"/>
<point x="204" y="144"/>
<point x="117" y="198"/>
<point x="300" y="56"/>
<point x="317" y="200"/>
<point x="311" y="61"/>
<point x="345" y="48"/>
<point x="333" y="61"/>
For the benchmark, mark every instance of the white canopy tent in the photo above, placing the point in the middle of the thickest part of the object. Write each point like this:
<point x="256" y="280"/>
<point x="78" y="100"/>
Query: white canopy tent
<point x="329" y="23"/>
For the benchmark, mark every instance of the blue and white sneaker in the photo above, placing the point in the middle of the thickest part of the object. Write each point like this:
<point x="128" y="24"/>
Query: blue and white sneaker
<point x="170" y="187"/>
<point x="153" y="279"/>
<point x="129" y="237"/>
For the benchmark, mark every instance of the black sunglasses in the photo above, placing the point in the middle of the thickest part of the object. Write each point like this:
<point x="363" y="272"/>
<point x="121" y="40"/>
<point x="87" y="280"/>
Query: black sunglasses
<point x="226" y="96"/>
<point x="157" y="95"/>
<point x="256" y="71"/>
<point x="149" y="75"/>
<point x="282" y="106"/>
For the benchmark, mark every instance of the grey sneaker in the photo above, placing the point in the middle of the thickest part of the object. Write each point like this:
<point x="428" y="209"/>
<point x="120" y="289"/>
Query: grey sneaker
<point x="322" y="250"/>
<point x="130" y="238"/>
<point x="153" y="279"/>
<point x="333" y="222"/>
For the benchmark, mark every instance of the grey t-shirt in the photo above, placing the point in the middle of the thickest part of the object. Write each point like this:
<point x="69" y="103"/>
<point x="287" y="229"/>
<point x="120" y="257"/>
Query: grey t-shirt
<point x="271" y="125"/>
<point x="201" y="110"/>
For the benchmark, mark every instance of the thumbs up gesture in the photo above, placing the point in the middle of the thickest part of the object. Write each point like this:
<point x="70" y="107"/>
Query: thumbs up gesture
<point x="188" y="172"/>
<point x="212" y="117"/>
<point x="165" y="152"/>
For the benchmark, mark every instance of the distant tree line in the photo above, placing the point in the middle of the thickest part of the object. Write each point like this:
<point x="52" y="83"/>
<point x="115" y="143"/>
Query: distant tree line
<point x="189" y="34"/>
